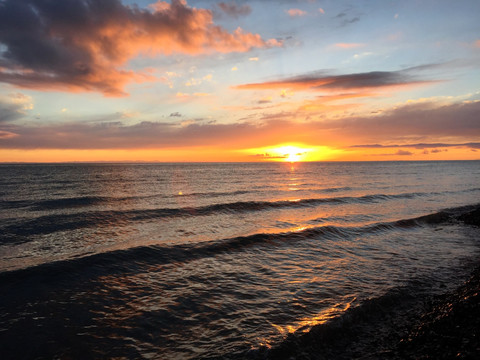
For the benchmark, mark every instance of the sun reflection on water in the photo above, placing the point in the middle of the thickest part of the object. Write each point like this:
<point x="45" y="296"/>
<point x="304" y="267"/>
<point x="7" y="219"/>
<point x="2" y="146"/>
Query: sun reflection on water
<point x="305" y="324"/>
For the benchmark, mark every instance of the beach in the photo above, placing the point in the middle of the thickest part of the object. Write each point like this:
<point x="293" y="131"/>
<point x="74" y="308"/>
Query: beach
<point x="445" y="326"/>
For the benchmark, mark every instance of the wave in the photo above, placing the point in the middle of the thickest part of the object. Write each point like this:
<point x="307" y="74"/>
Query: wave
<point x="51" y="223"/>
<point x="380" y="316"/>
<point x="52" y="204"/>
<point x="85" y="201"/>
<point x="377" y="327"/>
<point x="69" y="202"/>
<point x="216" y="194"/>
<point x="336" y="189"/>
<point x="138" y="258"/>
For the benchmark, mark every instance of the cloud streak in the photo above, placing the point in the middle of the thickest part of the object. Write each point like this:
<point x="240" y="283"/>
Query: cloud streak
<point x="453" y="122"/>
<point x="80" y="45"/>
<point x="324" y="82"/>
<point x="234" y="10"/>
<point x="421" y="146"/>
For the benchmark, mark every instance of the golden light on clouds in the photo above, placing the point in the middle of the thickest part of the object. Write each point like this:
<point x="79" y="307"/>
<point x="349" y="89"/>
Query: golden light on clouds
<point x="198" y="82"/>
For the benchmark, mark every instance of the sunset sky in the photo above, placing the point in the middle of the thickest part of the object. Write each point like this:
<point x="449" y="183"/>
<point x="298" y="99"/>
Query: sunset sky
<point x="139" y="80"/>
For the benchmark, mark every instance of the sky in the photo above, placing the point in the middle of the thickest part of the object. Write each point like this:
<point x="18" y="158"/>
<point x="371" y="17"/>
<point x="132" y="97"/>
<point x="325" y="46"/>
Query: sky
<point x="277" y="80"/>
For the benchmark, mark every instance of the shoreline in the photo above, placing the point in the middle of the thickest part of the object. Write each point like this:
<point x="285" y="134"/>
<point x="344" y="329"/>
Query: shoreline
<point x="420" y="326"/>
<point x="443" y="326"/>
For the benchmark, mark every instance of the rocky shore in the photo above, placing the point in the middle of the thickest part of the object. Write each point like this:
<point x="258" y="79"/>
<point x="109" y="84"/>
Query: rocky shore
<point x="446" y="326"/>
<point x="448" y="329"/>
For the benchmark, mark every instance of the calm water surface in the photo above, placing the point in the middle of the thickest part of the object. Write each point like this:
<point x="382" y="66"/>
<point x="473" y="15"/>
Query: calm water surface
<point x="213" y="260"/>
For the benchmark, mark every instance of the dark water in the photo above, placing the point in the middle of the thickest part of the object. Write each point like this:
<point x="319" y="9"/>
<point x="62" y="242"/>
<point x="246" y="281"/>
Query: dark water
<point x="216" y="260"/>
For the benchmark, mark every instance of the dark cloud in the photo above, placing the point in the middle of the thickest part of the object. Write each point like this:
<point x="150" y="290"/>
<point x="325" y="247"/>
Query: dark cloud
<point x="403" y="153"/>
<point x="346" y="22"/>
<point x="234" y="10"/>
<point x="345" y="18"/>
<point x="368" y="80"/>
<point x="455" y="121"/>
<point x="175" y="114"/>
<point x="269" y="156"/>
<point x="116" y="135"/>
<point x="83" y="45"/>
<point x="264" y="101"/>
<point x="321" y="81"/>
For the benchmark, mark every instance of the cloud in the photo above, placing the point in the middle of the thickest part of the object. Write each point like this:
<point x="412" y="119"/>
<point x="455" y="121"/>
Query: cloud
<point x="234" y="10"/>
<point x="472" y="145"/>
<point x="321" y="11"/>
<point x="348" y="45"/>
<point x="345" y="19"/>
<point x="458" y="121"/>
<point x="266" y="100"/>
<point x="116" y="135"/>
<point x="403" y="153"/>
<point x="14" y="106"/>
<point x="269" y="156"/>
<point x="435" y="124"/>
<point x="186" y="96"/>
<point x="449" y="126"/>
<point x="81" y="45"/>
<point x="7" y="135"/>
<point x="320" y="81"/>
<point x="296" y="12"/>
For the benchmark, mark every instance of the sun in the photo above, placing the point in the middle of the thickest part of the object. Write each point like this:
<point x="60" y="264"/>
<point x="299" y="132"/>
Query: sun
<point x="291" y="153"/>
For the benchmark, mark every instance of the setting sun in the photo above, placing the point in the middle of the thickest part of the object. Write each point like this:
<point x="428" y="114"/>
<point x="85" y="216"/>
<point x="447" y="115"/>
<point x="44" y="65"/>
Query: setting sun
<point x="294" y="153"/>
<point x="291" y="153"/>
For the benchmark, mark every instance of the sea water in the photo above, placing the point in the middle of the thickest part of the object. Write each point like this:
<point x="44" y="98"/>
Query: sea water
<point x="216" y="260"/>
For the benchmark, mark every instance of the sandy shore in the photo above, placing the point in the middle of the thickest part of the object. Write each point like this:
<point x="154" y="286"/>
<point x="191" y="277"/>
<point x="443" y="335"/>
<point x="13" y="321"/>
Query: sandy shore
<point x="441" y="327"/>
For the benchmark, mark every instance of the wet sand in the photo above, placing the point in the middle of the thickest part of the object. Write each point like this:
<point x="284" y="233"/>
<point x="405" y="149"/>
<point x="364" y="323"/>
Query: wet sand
<point x="446" y="326"/>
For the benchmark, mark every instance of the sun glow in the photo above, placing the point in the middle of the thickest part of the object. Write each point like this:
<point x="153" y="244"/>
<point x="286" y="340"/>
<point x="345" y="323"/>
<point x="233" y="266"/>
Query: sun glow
<point x="293" y="153"/>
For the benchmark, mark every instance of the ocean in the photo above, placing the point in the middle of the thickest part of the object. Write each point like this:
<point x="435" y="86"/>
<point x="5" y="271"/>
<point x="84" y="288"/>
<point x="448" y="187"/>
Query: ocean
<point x="210" y="260"/>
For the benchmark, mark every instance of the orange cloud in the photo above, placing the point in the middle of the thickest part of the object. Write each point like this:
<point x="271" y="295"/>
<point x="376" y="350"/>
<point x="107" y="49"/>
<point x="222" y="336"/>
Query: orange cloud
<point x="348" y="45"/>
<point x="296" y="12"/>
<point x="449" y="123"/>
<point x="85" y="46"/>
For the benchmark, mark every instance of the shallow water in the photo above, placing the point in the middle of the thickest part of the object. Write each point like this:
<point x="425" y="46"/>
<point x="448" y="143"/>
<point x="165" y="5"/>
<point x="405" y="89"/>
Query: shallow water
<point x="208" y="260"/>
